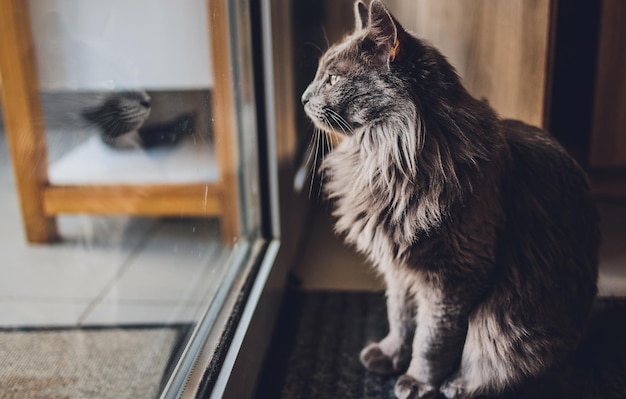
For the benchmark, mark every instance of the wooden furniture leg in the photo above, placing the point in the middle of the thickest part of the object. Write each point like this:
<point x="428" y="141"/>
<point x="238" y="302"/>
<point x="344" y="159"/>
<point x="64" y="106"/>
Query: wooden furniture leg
<point x="23" y="119"/>
<point x="224" y="125"/>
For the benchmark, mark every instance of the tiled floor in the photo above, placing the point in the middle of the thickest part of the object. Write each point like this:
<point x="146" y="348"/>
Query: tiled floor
<point x="107" y="270"/>
<point x="326" y="264"/>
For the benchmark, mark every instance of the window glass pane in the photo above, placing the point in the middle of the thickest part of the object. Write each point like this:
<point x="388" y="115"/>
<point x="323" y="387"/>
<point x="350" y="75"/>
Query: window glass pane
<point x="129" y="191"/>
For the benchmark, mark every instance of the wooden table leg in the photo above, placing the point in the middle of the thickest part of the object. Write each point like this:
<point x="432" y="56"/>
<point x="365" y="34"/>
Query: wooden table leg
<point x="23" y="118"/>
<point x="224" y="125"/>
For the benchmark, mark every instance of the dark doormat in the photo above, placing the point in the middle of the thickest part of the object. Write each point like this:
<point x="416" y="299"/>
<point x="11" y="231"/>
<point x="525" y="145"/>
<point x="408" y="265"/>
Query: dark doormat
<point x="314" y="353"/>
<point x="91" y="362"/>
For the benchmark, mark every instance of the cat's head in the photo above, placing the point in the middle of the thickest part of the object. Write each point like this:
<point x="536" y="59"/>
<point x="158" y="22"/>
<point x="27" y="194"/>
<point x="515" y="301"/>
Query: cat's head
<point x="119" y="113"/>
<point x="361" y="82"/>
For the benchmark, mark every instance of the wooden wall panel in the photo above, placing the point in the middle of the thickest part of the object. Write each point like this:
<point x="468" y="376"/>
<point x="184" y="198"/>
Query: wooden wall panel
<point x="608" y="137"/>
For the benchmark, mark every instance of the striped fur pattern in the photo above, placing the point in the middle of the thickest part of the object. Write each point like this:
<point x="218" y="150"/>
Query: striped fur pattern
<point x="483" y="228"/>
<point x="119" y="118"/>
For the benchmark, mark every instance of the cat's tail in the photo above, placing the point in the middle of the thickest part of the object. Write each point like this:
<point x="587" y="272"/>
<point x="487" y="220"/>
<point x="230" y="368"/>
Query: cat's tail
<point x="598" y="370"/>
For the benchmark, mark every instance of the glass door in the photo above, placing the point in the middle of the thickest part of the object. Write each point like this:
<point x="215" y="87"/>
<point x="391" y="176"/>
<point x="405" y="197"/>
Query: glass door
<point x="145" y="152"/>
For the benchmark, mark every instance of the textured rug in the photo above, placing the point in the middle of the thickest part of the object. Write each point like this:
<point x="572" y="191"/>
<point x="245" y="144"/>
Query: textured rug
<point x="319" y="335"/>
<point x="128" y="362"/>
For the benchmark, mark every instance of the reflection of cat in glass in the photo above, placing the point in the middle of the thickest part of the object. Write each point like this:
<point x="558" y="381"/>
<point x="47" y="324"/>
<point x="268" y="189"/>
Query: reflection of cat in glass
<point x="120" y="118"/>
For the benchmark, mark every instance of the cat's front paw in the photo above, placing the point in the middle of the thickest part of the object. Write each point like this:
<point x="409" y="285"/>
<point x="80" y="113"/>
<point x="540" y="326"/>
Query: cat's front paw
<point x="377" y="361"/>
<point x="408" y="387"/>
<point x="454" y="389"/>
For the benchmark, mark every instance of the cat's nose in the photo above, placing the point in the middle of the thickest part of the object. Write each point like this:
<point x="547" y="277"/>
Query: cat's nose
<point x="145" y="103"/>
<point x="305" y="97"/>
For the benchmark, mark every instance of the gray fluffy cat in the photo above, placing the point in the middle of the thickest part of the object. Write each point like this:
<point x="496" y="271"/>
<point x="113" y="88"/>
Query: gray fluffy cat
<point x="483" y="228"/>
<point x="120" y="119"/>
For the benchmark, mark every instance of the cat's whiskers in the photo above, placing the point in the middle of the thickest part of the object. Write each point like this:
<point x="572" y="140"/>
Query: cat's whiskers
<point x="314" y="170"/>
<point x="333" y="132"/>
<point x="340" y="126"/>
<point x="105" y="122"/>
<point x="116" y="124"/>
<point x="309" y="150"/>
<point x="312" y="152"/>
<point x="331" y="141"/>
<point x="109" y="113"/>
<point x="309" y="157"/>
<point x="110" y="124"/>
<point x="325" y="37"/>
<point x="327" y="141"/>
<point x="315" y="46"/>
<point x="319" y="192"/>
<point x="340" y="121"/>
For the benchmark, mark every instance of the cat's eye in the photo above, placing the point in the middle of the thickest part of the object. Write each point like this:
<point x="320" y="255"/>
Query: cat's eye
<point x="333" y="78"/>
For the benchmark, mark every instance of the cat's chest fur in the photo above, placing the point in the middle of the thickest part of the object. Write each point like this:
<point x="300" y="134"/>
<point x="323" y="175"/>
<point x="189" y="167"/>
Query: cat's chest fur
<point x="392" y="222"/>
<point x="372" y="220"/>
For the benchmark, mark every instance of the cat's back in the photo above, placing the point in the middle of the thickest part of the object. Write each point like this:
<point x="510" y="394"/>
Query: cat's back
<point x="543" y="174"/>
<point x="547" y="260"/>
<point x="534" y="150"/>
<point x="552" y="229"/>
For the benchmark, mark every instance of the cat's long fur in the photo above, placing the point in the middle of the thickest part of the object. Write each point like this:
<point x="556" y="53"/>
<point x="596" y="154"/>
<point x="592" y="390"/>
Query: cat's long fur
<point x="483" y="228"/>
<point x="120" y="120"/>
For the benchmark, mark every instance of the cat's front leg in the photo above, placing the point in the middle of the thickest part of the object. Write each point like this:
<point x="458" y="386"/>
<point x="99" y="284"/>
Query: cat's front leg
<point x="437" y="347"/>
<point x="393" y="353"/>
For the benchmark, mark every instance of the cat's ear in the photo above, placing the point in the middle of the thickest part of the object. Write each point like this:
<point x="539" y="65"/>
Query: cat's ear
<point x="360" y="15"/>
<point x="384" y="30"/>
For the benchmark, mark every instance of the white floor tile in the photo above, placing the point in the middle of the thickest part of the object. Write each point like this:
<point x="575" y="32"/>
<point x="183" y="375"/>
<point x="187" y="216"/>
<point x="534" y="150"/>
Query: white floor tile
<point x="180" y="261"/>
<point x="11" y="228"/>
<point x="79" y="267"/>
<point x="108" y="313"/>
<point x="42" y="313"/>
